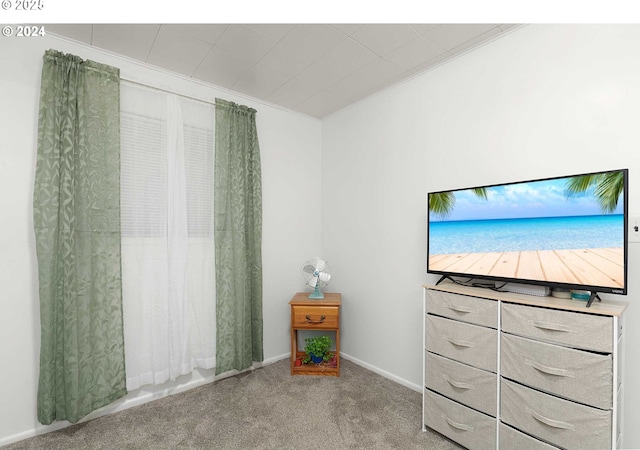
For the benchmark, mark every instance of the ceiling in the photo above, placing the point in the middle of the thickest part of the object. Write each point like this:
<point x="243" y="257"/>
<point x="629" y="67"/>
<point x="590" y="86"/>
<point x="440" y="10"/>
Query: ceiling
<point x="315" y="69"/>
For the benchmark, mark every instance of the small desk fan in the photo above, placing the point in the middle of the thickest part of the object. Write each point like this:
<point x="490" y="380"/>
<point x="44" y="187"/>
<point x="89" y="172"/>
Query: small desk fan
<point x="316" y="274"/>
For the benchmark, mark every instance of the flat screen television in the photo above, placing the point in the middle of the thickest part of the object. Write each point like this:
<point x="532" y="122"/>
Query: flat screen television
<point x="565" y="232"/>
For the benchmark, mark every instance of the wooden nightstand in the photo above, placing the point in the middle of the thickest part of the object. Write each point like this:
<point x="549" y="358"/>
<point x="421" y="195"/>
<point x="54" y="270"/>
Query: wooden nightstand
<point x="307" y="314"/>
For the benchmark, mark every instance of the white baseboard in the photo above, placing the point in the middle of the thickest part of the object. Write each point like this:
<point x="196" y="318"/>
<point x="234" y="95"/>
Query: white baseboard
<point x="384" y="373"/>
<point x="146" y="394"/>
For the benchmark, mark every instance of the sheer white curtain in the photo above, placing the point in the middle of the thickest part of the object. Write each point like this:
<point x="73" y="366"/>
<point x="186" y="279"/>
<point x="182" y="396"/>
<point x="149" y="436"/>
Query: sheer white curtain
<point x="168" y="273"/>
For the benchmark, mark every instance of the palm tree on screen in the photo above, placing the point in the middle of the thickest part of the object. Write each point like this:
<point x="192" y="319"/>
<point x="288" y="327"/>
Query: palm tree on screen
<point x="608" y="187"/>
<point x="442" y="203"/>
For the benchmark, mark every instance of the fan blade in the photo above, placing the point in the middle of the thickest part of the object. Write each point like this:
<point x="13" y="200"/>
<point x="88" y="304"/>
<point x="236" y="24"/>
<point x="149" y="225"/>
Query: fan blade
<point x="320" y="265"/>
<point x="308" y="269"/>
<point x="312" y="282"/>
<point x="324" y="277"/>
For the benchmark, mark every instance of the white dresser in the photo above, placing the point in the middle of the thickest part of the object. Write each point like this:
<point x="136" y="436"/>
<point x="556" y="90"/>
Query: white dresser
<point x="504" y="370"/>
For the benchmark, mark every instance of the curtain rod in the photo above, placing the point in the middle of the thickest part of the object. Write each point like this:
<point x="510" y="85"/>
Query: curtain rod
<point x="167" y="91"/>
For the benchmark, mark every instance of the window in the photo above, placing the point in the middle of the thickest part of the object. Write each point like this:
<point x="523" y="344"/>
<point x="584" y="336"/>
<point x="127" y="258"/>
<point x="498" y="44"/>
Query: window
<point x="168" y="253"/>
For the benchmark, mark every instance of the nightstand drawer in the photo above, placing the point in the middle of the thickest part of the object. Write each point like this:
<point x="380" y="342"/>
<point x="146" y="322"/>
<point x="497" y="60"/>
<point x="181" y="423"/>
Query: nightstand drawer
<point x="314" y="317"/>
<point x="474" y="310"/>
<point x="473" y="387"/>
<point x="470" y="344"/>
<point x="470" y="428"/>
<point x="561" y="422"/>
<point x="587" y="331"/>
<point x="577" y="375"/>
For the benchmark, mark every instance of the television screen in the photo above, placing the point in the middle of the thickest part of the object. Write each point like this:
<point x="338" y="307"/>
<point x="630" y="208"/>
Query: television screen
<point x="566" y="232"/>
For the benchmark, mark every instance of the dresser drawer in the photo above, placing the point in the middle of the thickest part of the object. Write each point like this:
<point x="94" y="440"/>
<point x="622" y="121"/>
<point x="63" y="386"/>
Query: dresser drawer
<point x="578" y="375"/>
<point x="473" y="387"/>
<point x="586" y="331"/>
<point x="474" y="310"/>
<point x="314" y="317"/>
<point x="470" y="344"/>
<point x="510" y="438"/>
<point x="555" y="420"/>
<point x="469" y="428"/>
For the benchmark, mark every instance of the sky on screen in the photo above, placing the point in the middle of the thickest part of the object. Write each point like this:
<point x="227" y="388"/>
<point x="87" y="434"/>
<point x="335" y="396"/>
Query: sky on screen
<point x="525" y="200"/>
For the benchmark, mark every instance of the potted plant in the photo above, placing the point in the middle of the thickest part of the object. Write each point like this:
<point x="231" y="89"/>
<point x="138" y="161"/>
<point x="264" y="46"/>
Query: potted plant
<point x="317" y="349"/>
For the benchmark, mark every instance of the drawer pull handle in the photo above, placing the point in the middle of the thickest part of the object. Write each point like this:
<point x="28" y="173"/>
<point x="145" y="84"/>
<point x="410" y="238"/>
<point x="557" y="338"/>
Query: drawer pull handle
<point x="550" y="422"/>
<point x="458" y="425"/>
<point x="308" y="317"/>
<point x="550" y="370"/>
<point x="456" y="384"/>
<point x="460" y="309"/>
<point x="551" y="326"/>
<point x="458" y="342"/>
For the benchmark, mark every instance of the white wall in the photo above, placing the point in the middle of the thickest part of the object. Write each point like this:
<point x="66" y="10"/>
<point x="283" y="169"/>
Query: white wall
<point x="545" y="100"/>
<point x="290" y="149"/>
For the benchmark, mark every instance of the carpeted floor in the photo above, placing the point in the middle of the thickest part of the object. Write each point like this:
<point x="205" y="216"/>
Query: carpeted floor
<point x="264" y="409"/>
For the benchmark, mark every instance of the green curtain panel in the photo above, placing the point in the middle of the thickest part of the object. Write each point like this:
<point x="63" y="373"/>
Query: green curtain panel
<point x="76" y="210"/>
<point x="238" y="238"/>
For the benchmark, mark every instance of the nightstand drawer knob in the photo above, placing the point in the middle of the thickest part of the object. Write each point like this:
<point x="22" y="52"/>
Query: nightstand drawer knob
<point x="308" y="317"/>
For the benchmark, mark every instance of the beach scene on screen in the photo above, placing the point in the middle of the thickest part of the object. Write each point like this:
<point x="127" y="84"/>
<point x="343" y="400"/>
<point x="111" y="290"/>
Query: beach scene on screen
<point x="568" y="230"/>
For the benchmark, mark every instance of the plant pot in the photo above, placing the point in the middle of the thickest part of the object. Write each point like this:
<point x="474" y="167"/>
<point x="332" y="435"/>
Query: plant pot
<point x="315" y="359"/>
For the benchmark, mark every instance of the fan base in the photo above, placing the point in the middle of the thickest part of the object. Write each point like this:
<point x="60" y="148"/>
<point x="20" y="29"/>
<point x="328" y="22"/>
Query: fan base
<point x="316" y="294"/>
